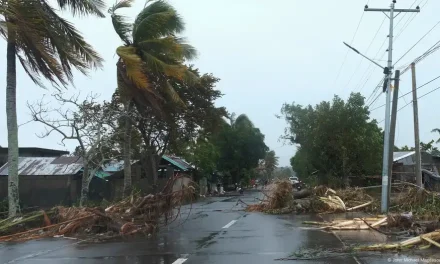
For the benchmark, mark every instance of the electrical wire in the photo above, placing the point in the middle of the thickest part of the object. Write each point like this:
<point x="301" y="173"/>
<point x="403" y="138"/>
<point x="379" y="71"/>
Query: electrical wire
<point x="361" y="59"/>
<point x="352" y="39"/>
<point x="427" y="53"/>
<point x="409" y="20"/>
<point x="403" y="16"/>
<point x="375" y="91"/>
<point x="417" y="99"/>
<point x="428" y="82"/>
<point x="375" y="99"/>
<point x="427" y="33"/>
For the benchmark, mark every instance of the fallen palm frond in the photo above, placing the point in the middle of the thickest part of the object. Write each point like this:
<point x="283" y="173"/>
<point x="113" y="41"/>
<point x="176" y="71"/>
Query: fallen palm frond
<point x="134" y="214"/>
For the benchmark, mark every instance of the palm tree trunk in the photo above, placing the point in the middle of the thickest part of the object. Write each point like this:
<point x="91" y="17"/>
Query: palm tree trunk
<point x="11" y="115"/>
<point x="127" y="151"/>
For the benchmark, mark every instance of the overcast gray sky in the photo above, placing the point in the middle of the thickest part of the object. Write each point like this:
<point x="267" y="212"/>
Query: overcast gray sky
<point x="270" y="52"/>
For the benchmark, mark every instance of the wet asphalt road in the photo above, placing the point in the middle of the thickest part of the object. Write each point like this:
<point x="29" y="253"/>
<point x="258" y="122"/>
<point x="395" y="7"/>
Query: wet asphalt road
<point x="215" y="230"/>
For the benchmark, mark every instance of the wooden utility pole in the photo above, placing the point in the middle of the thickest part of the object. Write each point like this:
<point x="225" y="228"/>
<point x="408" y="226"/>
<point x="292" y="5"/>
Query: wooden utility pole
<point x="418" y="168"/>
<point x="393" y="129"/>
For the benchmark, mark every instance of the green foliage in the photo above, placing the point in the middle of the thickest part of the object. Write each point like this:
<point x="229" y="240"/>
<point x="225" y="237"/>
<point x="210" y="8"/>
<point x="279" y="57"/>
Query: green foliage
<point x="151" y="54"/>
<point x="425" y="147"/>
<point x="241" y="146"/>
<point x="46" y="44"/>
<point x="204" y="155"/>
<point x="336" y="138"/>
<point x="268" y="165"/>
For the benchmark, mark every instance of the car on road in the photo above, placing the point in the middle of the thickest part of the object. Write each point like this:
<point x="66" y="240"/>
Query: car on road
<point x="293" y="180"/>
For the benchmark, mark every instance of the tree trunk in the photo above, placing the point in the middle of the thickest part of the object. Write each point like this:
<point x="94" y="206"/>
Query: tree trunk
<point x="84" y="185"/>
<point x="11" y="115"/>
<point x="345" y="172"/>
<point x="127" y="152"/>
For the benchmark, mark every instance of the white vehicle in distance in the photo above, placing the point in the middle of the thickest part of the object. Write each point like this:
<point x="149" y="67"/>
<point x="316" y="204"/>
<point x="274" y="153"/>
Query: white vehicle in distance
<point x="293" y="180"/>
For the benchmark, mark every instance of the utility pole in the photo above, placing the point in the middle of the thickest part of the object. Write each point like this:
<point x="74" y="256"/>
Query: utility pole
<point x="418" y="168"/>
<point x="393" y="129"/>
<point x="387" y="82"/>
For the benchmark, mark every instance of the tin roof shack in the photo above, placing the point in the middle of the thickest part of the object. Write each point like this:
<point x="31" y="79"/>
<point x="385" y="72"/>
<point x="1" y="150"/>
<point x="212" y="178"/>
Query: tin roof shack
<point x="45" y="181"/>
<point x="169" y="166"/>
<point x="31" y="152"/>
<point x="49" y="181"/>
<point x="404" y="165"/>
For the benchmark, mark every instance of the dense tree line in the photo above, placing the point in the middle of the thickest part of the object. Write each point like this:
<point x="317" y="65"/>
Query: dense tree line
<point x="334" y="139"/>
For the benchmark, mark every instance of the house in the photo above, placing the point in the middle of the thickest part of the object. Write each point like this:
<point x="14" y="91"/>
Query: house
<point x="404" y="165"/>
<point x="169" y="166"/>
<point x="31" y="152"/>
<point x="45" y="181"/>
<point x="51" y="179"/>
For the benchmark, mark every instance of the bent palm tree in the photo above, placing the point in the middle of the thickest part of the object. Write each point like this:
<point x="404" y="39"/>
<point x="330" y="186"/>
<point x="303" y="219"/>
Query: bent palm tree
<point x="150" y="56"/>
<point x="45" y="45"/>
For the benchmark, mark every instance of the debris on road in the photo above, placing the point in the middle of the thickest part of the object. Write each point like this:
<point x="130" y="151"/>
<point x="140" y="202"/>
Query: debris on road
<point x="134" y="214"/>
<point x="327" y="200"/>
<point x="354" y="224"/>
<point x="424" y="241"/>
<point x="278" y="199"/>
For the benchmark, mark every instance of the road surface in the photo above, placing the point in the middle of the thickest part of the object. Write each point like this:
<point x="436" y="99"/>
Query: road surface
<point x="215" y="230"/>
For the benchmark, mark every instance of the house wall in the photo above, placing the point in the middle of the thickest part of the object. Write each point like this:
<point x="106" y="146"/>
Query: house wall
<point x="44" y="191"/>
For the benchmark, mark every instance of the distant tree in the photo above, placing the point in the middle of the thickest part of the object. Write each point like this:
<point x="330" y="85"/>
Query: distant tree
<point x="241" y="146"/>
<point x="269" y="164"/>
<point x="336" y="138"/>
<point x="204" y="155"/>
<point x="283" y="173"/>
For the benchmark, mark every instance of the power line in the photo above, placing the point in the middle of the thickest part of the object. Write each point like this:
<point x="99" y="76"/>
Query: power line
<point x="430" y="51"/>
<point x="352" y="39"/>
<point x="375" y="58"/>
<point x="427" y="33"/>
<point x="409" y="20"/>
<point x="417" y="99"/>
<point x="368" y="48"/>
<point x="375" y="90"/>
<point x="430" y="81"/>
<point x="403" y="16"/>
<point x="375" y="99"/>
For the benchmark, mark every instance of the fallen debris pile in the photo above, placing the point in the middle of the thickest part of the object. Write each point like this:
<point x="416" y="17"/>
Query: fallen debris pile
<point x="354" y="224"/>
<point x="423" y="241"/>
<point x="327" y="200"/>
<point x="278" y="199"/>
<point x="134" y="214"/>
<point x="424" y="205"/>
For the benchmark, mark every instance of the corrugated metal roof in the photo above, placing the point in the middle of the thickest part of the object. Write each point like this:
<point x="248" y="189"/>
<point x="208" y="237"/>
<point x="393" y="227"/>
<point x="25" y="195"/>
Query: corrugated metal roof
<point x="115" y="165"/>
<point x="46" y="166"/>
<point x="402" y="154"/>
<point x="180" y="163"/>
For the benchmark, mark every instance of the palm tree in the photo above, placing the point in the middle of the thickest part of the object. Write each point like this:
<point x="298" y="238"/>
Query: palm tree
<point x="270" y="162"/>
<point x="46" y="45"/>
<point x="151" y="55"/>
